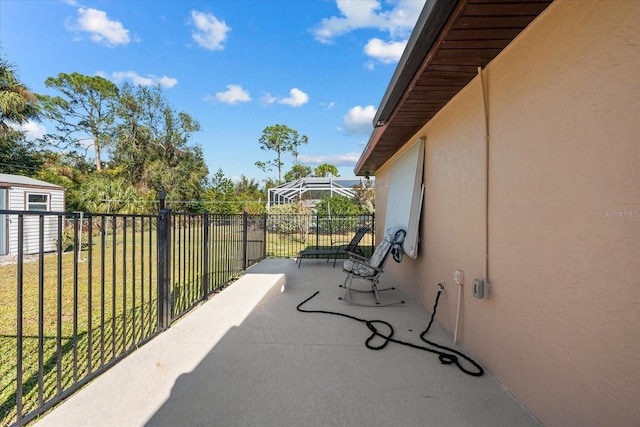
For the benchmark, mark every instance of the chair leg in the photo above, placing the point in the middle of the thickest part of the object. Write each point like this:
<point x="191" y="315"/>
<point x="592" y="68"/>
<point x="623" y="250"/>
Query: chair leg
<point x="373" y="291"/>
<point x="344" y="285"/>
<point x="347" y="291"/>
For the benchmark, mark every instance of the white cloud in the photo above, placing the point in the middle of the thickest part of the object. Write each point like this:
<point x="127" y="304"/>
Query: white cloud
<point x="210" y="33"/>
<point x="328" y="106"/>
<point x="338" y="160"/>
<point x="31" y="129"/>
<point x="138" y="80"/>
<point x="402" y="18"/>
<point x="233" y="95"/>
<point x="385" y="52"/>
<point x="398" y="22"/>
<point x="102" y="29"/>
<point x="167" y="81"/>
<point x="355" y="14"/>
<point x="358" y="14"/>
<point x="296" y="99"/>
<point x="267" y="98"/>
<point x="359" y="120"/>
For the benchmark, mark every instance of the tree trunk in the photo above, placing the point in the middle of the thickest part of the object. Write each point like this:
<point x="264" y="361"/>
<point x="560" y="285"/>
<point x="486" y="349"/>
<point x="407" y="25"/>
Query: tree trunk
<point x="98" y="161"/>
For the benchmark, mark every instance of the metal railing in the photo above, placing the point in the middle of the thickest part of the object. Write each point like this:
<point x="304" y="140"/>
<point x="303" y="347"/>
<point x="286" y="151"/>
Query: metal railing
<point x="80" y="291"/>
<point x="205" y="252"/>
<point x="76" y="297"/>
<point x="288" y="234"/>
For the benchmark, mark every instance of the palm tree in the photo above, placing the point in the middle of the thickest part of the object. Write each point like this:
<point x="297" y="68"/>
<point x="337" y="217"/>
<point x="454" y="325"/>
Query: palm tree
<point x="17" y="103"/>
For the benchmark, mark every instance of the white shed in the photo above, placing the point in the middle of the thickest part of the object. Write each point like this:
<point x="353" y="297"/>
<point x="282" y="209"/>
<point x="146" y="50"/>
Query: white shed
<point x="21" y="193"/>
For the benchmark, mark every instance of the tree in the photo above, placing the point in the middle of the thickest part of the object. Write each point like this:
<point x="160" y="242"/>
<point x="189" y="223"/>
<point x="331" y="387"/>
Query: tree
<point x="17" y="104"/>
<point x="337" y="205"/>
<point x="247" y="186"/>
<point x="16" y="155"/>
<point x="103" y="193"/>
<point x="269" y="183"/>
<point x="84" y="111"/>
<point x="326" y="169"/>
<point x="220" y="195"/>
<point x="68" y="170"/>
<point x="138" y="111"/>
<point x="151" y="145"/>
<point x="281" y="139"/>
<point x="297" y="171"/>
<point x="251" y="198"/>
<point x="365" y="197"/>
<point x="183" y="181"/>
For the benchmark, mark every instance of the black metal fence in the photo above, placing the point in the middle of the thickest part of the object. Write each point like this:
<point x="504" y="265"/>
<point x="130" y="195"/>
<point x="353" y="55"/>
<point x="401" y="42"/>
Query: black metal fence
<point x="80" y="291"/>
<point x="288" y="234"/>
<point x="203" y="252"/>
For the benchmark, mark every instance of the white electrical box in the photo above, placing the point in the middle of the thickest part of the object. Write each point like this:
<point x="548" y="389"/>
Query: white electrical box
<point x="458" y="277"/>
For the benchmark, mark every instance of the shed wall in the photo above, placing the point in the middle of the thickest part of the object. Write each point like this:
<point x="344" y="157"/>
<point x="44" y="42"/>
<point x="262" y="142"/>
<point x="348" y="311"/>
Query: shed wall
<point x="31" y="235"/>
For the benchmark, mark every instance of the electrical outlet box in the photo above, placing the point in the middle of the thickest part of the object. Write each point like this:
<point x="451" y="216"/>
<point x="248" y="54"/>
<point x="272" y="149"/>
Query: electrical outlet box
<point x="458" y="277"/>
<point x="478" y="288"/>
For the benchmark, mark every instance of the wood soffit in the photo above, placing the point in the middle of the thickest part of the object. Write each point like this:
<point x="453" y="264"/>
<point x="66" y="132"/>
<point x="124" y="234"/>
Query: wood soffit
<point x="473" y="34"/>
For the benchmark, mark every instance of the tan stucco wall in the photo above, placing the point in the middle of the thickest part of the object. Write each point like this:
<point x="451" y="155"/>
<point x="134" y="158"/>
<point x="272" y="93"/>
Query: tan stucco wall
<point x="562" y="328"/>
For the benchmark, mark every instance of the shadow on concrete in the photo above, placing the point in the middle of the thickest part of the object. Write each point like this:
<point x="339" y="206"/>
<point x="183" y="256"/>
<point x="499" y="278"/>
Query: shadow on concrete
<point x="281" y="367"/>
<point x="248" y="358"/>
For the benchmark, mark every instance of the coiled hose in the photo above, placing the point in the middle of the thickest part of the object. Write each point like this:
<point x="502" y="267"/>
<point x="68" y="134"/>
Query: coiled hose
<point x="448" y="356"/>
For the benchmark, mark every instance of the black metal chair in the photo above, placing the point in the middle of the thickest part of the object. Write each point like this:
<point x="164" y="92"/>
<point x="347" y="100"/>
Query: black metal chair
<point x="352" y="247"/>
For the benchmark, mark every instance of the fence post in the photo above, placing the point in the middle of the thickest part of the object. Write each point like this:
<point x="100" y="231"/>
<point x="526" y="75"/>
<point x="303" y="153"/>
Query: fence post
<point x="164" y="267"/>
<point x="19" y="320"/>
<point x="317" y="229"/>
<point x="206" y="284"/>
<point x="264" y="238"/>
<point x="373" y="232"/>
<point x="245" y="229"/>
<point x="161" y="200"/>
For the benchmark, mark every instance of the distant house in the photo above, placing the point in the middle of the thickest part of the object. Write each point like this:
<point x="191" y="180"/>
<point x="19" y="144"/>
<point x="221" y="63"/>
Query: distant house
<point x="21" y="193"/>
<point x="522" y="120"/>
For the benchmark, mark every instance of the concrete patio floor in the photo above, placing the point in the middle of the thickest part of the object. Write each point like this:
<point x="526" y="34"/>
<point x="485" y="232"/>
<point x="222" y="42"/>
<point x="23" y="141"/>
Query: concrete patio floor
<point x="247" y="357"/>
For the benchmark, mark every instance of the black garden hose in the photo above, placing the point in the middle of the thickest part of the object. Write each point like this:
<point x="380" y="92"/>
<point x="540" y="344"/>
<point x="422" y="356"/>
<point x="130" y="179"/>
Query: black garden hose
<point x="446" y="357"/>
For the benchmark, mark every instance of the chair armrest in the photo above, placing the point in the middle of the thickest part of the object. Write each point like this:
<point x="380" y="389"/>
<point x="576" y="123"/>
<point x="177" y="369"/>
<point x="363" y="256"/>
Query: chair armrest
<point x="339" y="244"/>
<point x="357" y="257"/>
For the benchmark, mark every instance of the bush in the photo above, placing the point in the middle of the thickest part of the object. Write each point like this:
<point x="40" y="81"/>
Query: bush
<point x="337" y="206"/>
<point x="338" y="225"/>
<point x="289" y="218"/>
<point x="68" y="240"/>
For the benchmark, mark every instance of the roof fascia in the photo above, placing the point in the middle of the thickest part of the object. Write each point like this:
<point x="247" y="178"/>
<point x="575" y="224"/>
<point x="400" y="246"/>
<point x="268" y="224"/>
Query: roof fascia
<point x="430" y="22"/>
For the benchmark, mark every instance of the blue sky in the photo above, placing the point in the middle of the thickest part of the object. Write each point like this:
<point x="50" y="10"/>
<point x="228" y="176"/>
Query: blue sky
<point x="320" y="67"/>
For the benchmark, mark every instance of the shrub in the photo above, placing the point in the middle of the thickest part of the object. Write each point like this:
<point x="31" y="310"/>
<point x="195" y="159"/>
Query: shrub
<point x="289" y="218"/>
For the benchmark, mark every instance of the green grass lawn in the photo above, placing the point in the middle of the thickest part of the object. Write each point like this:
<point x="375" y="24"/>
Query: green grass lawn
<point x="89" y="316"/>
<point x="101" y="307"/>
